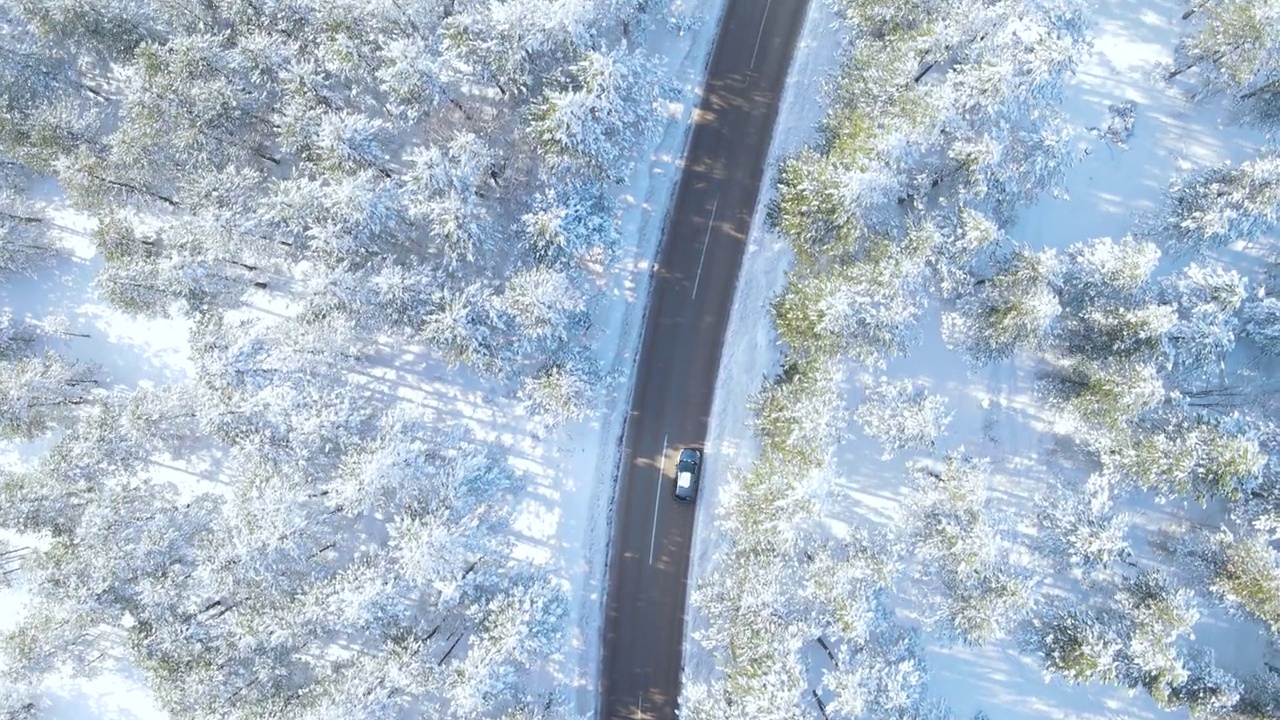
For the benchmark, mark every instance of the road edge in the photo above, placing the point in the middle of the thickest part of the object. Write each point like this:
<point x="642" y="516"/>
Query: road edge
<point x="718" y="464"/>
<point x="610" y="462"/>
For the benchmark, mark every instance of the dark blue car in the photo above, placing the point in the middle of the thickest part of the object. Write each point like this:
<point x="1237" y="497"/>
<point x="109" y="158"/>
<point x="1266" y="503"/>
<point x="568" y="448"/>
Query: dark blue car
<point x="687" y="470"/>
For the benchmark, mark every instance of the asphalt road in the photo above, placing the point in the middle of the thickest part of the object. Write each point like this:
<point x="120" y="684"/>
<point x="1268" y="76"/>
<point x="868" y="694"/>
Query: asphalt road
<point x="689" y="302"/>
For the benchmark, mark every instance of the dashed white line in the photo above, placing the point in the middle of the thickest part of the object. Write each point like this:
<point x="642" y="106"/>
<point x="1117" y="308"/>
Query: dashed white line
<point x="705" y="240"/>
<point x="760" y="34"/>
<point x="657" y="498"/>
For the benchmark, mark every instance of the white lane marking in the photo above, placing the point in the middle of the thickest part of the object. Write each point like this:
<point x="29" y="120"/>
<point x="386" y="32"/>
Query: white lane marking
<point x="657" y="498"/>
<point x="705" y="240"/>
<point x="760" y="34"/>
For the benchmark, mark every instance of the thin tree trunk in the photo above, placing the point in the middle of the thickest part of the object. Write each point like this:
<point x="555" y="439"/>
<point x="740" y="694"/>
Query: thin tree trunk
<point x="827" y="649"/>
<point x="244" y="265"/>
<point x="126" y="186"/>
<point x="1178" y="71"/>
<point x="23" y="218"/>
<point x="461" y="108"/>
<point x="324" y="549"/>
<point x="822" y="707"/>
<point x="1198" y="6"/>
<point x="920" y="75"/>
<point x="94" y="92"/>
<point x="450" y="650"/>
<point x="1269" y="87"/>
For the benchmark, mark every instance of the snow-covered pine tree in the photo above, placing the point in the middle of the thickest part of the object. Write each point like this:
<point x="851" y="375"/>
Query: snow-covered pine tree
<point x="544" y="304"/>
<point x="445" y="190"/>
<point x="800" y="414"/>
<point x="1077" y="643"/>
<point x="1180" y="456"/>
<point x="864" y="309"/>
<point x="563" y="389"/>
<point x="459" y="324"/>
<point x="1207" y="298"/>
<point x="1219" y="205"/>
<point x="1242" y="569"/>
<point x="948" y="522"/>
<point x="1008" y="311"/>
<point x="40" y="389"/>
<point x="1081" y="526"/>
<point x="901" y="416"/>
<point x="609" y="101"/>
<point x="1232" y="43"/>
<point x="571" y="223"/>
<point x="1102" y="396"/>
<point x="1261" y="323"/>
<point x="519" y="625"/>
<point x="1108" y="272"/>
<point x="987" y="604"/>
<point x="1208" y="691"/>
<point x="1158" y="614"/>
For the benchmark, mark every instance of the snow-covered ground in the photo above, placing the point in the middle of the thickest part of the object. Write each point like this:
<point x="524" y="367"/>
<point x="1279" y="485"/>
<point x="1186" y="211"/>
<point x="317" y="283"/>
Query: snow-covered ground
<point x="133" y="352"/>
<point x="1108" y="191"/>
<point x="563" y="516"/>
<point x="996" y="413"/>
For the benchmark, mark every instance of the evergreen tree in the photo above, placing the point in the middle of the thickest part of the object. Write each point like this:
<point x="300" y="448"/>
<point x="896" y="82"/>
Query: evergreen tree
<point x="986" y="605"/>
<point x="901" y="416"/>
<point x="1261" y="324"/>
<point x="1220" y="205"/>
<point x="1243" y="570"/>
<point x="40" y="389"/>
<point x="1082" y="528"/>
<point x="864" y="309"/>
<point x="948" y="521"/>
<point x="1011" y="310"/>
<point x="570" y="223"/>
<point x="544" y="303"/>
<point x="1207" y="297"/>
<point x="562" y="390"/>
<point x="608" y="101"/>
<point x="1208" y="691"/>
<point x="1158" y="615"/>
<point x="1102" y="396"/>
<point x="445" y="192"/>
<point x="1076" y="643"/>
<point x="1108" y="272"/>
<point x="1196" y="457"/>
<point x="1233" y="42"/>
<point x="800" y="414"/>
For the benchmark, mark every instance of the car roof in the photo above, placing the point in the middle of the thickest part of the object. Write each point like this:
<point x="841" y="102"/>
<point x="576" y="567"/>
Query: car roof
<point x="684" y="479"/>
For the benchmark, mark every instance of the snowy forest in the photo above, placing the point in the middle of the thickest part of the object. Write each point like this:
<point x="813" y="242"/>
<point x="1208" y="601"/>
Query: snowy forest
<point x="310" y="186"/>
<point x="1151" y="361"/>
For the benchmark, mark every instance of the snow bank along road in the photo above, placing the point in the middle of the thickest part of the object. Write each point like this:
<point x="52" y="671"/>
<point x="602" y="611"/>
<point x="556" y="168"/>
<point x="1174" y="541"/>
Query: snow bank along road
<point x="689" y="305"/>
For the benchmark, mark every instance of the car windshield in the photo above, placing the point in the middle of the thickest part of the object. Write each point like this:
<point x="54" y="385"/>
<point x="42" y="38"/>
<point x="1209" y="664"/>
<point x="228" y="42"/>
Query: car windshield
<point x="684" y="479"/>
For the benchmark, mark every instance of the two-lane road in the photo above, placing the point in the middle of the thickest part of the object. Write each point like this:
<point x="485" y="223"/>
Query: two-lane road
<point x="689" y="304"/>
